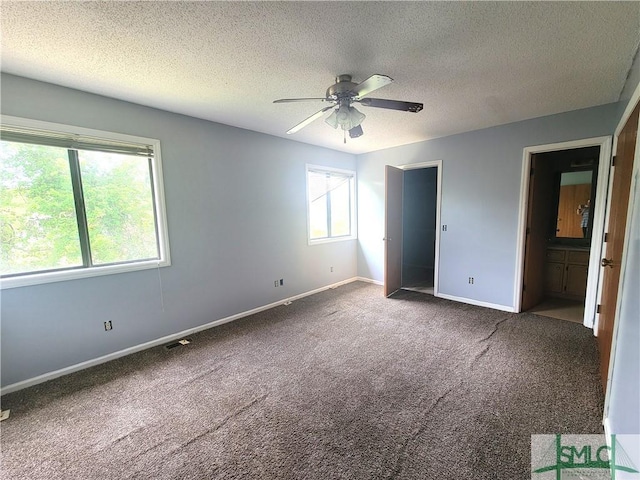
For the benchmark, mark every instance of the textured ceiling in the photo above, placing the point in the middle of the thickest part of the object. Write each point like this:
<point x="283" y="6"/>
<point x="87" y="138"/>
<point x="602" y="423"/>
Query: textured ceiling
<point x="473" y="65"/>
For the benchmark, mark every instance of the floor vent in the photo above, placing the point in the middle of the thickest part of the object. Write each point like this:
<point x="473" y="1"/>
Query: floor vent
<point x="179" y="343"/>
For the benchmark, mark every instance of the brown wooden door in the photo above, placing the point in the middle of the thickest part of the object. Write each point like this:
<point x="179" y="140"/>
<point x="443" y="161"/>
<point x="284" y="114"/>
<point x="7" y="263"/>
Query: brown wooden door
<point x="569" y="220"/>
<point x="393" y="180"/>
<point x="540" y="211"/>
<point x="615" y="238"/>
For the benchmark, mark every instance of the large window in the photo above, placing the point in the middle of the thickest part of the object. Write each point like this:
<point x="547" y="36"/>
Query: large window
<point x="77" y="202"/>
<point x="331" y="204"/>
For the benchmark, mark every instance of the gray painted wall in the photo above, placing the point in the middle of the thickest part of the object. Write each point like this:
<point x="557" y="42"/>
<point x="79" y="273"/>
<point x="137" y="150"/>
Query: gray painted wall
<point x="481" y="173"/>
<point x="237" y="221"/>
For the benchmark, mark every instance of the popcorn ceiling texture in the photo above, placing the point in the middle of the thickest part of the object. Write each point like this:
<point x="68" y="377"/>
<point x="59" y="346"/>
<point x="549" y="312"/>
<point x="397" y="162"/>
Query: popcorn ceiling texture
<point x="473" y="65"/>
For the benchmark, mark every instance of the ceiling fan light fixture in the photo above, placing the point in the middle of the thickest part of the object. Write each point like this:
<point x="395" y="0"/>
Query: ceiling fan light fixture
<point x="356" y="117"/>
<point x="342" y="94"/>
<point x="345" y="117"/>
<point x="332" y="119"/>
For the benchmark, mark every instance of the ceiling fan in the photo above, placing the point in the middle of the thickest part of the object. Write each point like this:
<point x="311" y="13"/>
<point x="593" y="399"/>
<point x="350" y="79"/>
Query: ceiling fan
<point x="342" y="95"/>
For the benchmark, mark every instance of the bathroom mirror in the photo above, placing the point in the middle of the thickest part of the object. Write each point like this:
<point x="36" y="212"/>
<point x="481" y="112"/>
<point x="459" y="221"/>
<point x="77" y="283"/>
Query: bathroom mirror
<point x="574" y="205"/>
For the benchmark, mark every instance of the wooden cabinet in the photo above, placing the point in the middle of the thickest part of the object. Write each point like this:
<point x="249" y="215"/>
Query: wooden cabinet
<point x="554" y="277"/>
<point x="566" y="272"/>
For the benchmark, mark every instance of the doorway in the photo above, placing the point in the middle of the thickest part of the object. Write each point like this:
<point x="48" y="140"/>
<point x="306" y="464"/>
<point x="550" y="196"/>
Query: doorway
<point x="412" y="218"/>
<point x="419" y="199"/>
<point x="562" y="215"/>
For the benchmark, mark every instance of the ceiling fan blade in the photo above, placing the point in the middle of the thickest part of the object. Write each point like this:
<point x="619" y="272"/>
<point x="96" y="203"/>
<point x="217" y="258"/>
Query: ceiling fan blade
<point x="289" y="100"/>
<point x="392" y="104"/>
<point x="372" y="83"/>
<point x="307" y="121"/>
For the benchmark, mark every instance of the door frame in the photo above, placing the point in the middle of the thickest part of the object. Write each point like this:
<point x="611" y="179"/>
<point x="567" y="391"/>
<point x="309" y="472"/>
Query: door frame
<point x="438" y="165"/>
<point x="593" y="275"/>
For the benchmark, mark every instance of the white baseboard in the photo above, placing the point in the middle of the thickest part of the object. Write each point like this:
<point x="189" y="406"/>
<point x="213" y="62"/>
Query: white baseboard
<point x="469" y="301"/>
<point x="160" y="341"/>
<point x="478" y="303"/>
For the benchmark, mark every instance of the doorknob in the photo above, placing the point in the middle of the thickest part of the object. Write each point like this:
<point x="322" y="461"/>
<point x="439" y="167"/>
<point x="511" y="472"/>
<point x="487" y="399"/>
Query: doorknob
<point x="607" y="262"/>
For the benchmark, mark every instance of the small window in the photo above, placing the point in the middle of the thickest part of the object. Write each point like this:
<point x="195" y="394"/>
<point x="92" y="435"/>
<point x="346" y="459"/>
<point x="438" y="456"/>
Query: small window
<point x="331" y="204"/>
<point x="77" y="202"/>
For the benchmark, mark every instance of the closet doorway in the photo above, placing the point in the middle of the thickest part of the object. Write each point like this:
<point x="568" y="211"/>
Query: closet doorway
<point x="412" y="219"/>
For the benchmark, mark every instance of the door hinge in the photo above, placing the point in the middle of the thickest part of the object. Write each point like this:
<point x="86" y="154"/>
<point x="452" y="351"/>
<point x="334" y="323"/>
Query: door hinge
<point x="531" y="171"/>
<point x="613" y="160"/>
<point x="598" y="308"/>
<point x="606" y="237"/>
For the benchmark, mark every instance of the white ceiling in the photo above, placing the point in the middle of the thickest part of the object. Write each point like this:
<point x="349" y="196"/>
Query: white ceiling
<point x="473" y="65"/>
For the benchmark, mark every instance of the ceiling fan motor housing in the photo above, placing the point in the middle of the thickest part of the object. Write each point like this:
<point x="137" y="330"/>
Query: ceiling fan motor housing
<point x="341" y="89"/>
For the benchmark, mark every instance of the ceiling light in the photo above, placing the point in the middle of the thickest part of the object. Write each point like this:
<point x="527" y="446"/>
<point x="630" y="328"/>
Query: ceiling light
<point x="345" y="117"/>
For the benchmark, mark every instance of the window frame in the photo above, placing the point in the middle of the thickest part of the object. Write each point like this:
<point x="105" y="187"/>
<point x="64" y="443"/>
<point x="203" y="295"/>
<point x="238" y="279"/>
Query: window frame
<point x="157" y="190"/>
<point x="352" y="210"/>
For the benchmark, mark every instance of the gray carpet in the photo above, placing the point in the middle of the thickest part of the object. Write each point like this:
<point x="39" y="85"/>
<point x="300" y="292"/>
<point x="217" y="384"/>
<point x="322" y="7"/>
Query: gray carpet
<point x="344" y="384"/>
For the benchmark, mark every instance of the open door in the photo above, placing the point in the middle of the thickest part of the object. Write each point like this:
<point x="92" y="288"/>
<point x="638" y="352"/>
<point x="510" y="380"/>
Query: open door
<point x="540" y="210"/>
<point x="393" y="180"/>
<point x="612" y="260"/>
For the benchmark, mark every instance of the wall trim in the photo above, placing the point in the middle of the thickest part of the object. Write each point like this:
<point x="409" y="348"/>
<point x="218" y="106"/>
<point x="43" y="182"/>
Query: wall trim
<point x="469" y="301"/>
<point x="479" y="303"/>
<point x="370" y="280"/>
<point x="593" y="276"/>
<point x="607" y="430"/>
<point x="161" y="341"/>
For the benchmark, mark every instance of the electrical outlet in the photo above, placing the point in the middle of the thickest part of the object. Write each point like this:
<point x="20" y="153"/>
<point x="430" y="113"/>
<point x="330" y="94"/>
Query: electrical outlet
<point x="332" y="269"/>
<point x="275" y="283"/>
<point x="470" y="280"/>
<point x="108" y="326"/>
<point x="444" y="228"/>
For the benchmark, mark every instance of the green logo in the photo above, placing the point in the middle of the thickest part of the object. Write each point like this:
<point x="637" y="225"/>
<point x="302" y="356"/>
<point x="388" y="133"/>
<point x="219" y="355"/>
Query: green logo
<point x="581" y="456"/>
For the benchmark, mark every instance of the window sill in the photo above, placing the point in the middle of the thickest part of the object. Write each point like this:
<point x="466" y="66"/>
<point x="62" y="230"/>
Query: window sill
<point x="75" y="274"/>
<point x="331" y="240"/>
